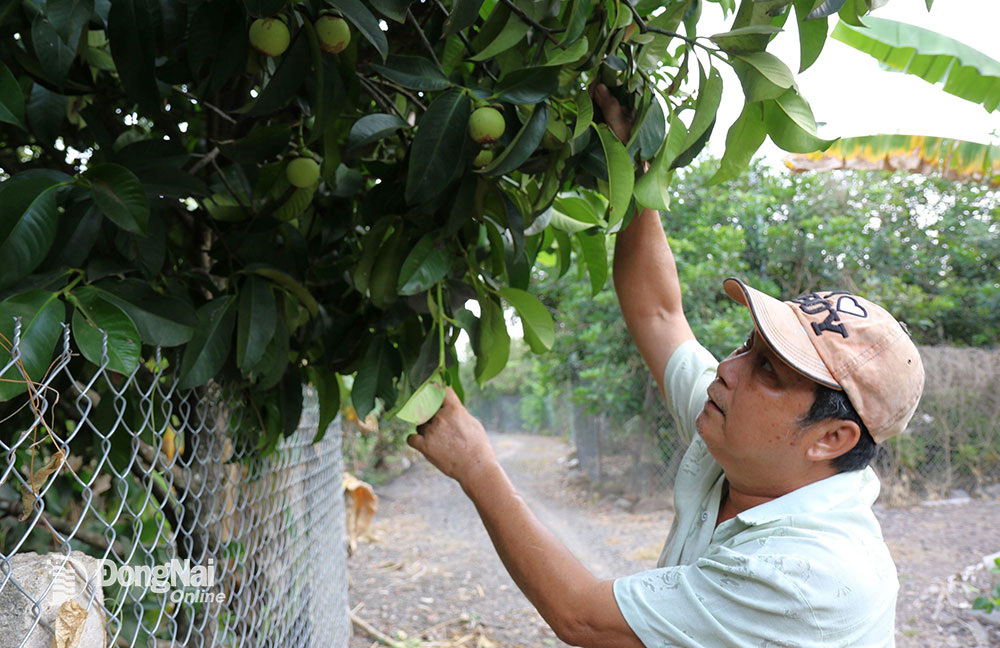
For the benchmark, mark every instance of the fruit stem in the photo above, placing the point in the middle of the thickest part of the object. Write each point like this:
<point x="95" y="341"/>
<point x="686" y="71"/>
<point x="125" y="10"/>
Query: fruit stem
<point x="440" y="328"/>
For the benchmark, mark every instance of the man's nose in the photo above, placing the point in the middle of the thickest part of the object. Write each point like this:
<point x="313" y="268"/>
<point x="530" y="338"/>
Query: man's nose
<point x="728" y="371"/>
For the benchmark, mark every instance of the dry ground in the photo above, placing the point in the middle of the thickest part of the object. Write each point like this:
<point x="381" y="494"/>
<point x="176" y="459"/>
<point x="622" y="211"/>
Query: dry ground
<point x="429" y="575"/>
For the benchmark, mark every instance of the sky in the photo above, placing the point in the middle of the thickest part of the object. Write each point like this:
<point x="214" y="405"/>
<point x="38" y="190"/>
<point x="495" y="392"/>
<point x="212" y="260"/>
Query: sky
<point x="852" y="95"/>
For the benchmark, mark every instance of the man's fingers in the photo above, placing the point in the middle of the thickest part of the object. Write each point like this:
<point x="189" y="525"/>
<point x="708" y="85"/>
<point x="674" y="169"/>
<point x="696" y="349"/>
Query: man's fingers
<point x="416" y="441"/>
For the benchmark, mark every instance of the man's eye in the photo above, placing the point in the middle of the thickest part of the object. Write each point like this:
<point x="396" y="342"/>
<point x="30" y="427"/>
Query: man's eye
<point x="767" y="365"/>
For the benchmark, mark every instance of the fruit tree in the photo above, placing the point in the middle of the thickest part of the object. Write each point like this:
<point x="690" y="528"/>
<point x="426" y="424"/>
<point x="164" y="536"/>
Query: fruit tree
<point x="277" y="192"/>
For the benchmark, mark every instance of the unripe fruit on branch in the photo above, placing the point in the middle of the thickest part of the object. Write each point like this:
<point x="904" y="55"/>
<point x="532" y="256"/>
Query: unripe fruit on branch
<point x="483" y="158"/>
<point x="334" y="34"/>
<point x="269" y="36"/>
<point x="302" y="172"/>
<point x="486" y="125"/>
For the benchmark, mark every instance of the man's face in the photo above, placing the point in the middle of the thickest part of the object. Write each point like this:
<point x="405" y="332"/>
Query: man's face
<point x="750" y="421"/>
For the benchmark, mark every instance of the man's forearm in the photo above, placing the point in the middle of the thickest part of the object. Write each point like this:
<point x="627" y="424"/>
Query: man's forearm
<point x="543" y="568"/>
<point x="645" y="273"/>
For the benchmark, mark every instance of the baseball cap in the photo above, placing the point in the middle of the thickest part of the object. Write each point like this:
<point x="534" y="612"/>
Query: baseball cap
<point x="845" y="342"/>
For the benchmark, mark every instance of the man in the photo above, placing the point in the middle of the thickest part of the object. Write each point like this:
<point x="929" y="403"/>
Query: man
<point x="773" y="541"/>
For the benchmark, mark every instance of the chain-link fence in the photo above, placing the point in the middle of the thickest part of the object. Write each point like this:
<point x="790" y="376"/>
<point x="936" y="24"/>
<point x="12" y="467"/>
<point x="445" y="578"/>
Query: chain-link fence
<point x="951" y="448"/>
<point x="134" y="515"/>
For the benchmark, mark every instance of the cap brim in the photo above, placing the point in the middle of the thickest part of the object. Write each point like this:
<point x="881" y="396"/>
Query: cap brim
<point x="782" y="331"/>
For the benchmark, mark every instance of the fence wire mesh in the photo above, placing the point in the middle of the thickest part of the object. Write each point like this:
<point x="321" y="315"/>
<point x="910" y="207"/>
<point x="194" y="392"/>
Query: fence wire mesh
<point x="131" y="514"/>
<point x="950" y="449"/>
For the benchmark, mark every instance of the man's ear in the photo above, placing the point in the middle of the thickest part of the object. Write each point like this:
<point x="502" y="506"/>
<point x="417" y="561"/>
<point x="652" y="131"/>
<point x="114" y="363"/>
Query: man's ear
<point x="832" y="438"/>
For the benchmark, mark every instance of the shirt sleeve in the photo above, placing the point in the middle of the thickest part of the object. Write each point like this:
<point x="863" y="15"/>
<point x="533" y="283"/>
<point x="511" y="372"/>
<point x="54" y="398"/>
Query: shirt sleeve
<point x="689" y="372"/>
<point x="728" y="599"/>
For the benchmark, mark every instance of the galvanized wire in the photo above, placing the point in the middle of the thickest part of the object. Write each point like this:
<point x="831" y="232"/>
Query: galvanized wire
<point x="152" y="474"/>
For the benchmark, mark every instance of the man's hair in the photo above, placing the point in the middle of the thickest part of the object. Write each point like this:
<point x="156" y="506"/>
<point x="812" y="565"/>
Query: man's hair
<point x="833" y="404"/>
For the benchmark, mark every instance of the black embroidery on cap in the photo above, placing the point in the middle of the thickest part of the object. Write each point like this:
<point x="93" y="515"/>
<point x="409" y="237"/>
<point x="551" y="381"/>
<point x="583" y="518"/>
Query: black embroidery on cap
<point x="816" y="303"/>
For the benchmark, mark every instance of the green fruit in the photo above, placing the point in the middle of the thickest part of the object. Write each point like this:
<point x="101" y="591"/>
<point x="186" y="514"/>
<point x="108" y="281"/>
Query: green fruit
<point x="483" y="158"/>
<point x="334" y="34"/>
<point x="269" y="36"/>
<point x="302" y="172"/>
<point x="486" y="125"/>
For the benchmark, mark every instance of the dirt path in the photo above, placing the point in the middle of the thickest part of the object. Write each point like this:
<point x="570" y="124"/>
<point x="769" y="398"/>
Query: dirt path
<point x="430" y="574"/>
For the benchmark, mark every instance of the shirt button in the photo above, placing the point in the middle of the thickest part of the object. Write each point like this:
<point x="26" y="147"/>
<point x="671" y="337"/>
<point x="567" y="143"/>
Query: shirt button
<point x="704" y="516"/>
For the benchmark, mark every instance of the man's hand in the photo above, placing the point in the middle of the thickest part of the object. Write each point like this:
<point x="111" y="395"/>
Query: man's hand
<point x="454" y="440"/>
<point x="615" y="116"/>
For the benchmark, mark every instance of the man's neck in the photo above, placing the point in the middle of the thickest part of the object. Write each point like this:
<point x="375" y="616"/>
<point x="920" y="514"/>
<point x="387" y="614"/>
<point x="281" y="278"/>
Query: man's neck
<point x="734" y="500"/>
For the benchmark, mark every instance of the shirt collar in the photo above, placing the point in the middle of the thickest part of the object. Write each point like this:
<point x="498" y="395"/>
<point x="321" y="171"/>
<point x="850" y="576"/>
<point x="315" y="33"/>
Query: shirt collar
<point x="843" y="490"/>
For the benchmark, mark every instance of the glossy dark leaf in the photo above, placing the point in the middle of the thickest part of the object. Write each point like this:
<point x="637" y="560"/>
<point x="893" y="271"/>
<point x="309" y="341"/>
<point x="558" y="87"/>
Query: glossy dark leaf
<point x="527" y="86"/>
<point x="327" y="387"/>
<point x="207" y="351"/>
<point x="255" y="324"/>
<point x="41" y="314"/>
<point x="28" y="221"/>
<point x="436" y="146"/>
<point x="414" y="72"/>
<point x="120" y="196"/>
<point x="392" y="9"/>
<point x="523" y="144"/>
<point x="287" y="79"/>
<point x="46" y="111"/>
<point x="93" y="318"/>
<point x="371" y="128"/>
<point x="366" y="23"/>
<point x="425" y="265"/>
<point x="828" y="8"/>
<point x="161" y="320"/>
<point x="375" y="376"/>
<point x="54" y="54"/>
<point x="130" y="25"/>
<point x="463" y="14"/>
<point x="11" y="98"/>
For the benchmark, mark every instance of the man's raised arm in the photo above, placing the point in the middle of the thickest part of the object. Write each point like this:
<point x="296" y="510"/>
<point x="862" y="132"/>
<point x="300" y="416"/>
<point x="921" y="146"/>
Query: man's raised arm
<point x="645" y="274"/>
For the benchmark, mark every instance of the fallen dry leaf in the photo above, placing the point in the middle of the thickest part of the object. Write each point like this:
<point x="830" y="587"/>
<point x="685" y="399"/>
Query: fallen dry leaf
<point x="69" y="625"/>
<point x="361" y="503"/>
<point x="36" y="480"/>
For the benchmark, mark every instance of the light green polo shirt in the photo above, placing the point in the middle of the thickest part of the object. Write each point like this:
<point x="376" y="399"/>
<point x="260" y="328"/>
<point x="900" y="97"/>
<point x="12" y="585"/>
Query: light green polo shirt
<point x="809" y="568"/>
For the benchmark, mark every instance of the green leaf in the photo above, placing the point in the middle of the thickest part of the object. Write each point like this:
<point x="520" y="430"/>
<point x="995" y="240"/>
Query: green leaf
<point x="745" y="39"/>
<point x="256" y="322"/>
<point x="527" y="86"/>
<point x="572" y="54"/>
<point x="414" y="72"/>
<point x="424" y="266"/>
<point x="54" y="55"/>
<point x="653" y="188"/>
<point x="425" y="401"/>
<point x="41" y="315"/>
<point x="131" y="23"/>
<point x="595" y="256"/>
<point x="372" y="128"/>
<point x="812" y="33"/>
<point x="207" y="351"/>
<point x="297" y="203"/>
<point x="584" y="113"/>
<point x="366" y="23"/>
<point x="375" y="377"/>
<point x="392" y="9"/>
<point x="25" y="239"/>
<point x="289" y="283"/>
<point x="434" y="154"/>
<point x="511" y="34"/>
<point x="119" y="196"/>
<point x="327" y="386"/>
<point x="763" y="75"/>
<point x="492" y="343"/>
<point x="744" y="138"/>
<point x="576" y="20"/>
<point x="652" y="131"/>
<point x="705" y="108"/>
<point x="565" y="247"/>
<point x="288" y="77"/>
<point x="463" y="14"/>
<point x="11" y="99"/>
<point x="68" y="17"/>
<point x="539" y="329"/>
<point x="935" y="58"/>
<point x="522" y="146"/>
<point x="46" y="111"/>
<point x="98" y="316"/>
<point x="791" y="125"/>
<point x="621" y="176"/>
<point x="161" y="320"/>
<point x="828" y="8"/>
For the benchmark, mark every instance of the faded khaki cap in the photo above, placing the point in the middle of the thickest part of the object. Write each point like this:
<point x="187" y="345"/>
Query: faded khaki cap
<point x="845" y="342"/>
